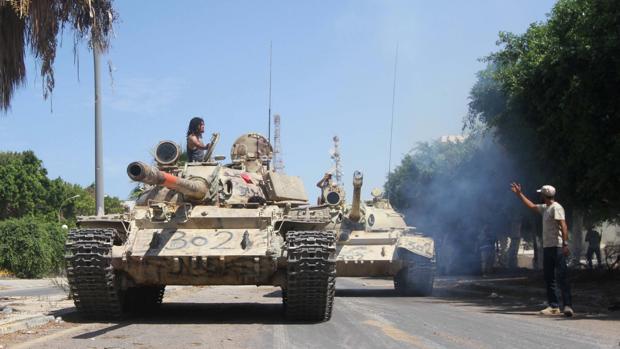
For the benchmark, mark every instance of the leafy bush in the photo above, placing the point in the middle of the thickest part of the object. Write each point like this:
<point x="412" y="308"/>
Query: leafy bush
<point x="31" y="247"/>
<point x="23" y="184"/>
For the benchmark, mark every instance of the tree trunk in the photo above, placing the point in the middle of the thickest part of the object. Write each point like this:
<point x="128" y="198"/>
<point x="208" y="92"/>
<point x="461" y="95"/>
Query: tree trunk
<point x="515" y="241"/>
<point x="576" y="234"/>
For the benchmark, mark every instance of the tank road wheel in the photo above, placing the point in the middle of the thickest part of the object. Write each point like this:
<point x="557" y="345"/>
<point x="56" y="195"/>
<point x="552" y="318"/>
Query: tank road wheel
<point x="91" y="278"/>
<point x="144" y="299"/>
<point x="311" y="275"/>
<point x="416" y="277"/>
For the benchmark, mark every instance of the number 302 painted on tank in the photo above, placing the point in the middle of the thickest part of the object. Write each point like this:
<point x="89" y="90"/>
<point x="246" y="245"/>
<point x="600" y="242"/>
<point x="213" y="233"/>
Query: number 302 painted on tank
<point x="180" y="241"/>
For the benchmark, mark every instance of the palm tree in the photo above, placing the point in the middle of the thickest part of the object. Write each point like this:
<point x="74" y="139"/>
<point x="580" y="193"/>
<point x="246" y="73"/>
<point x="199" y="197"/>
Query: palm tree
<point x="35" y="24"/>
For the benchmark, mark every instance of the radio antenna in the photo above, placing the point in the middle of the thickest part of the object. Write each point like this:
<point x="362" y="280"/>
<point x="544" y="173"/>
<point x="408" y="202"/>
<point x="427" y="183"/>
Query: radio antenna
<point x="269" y="122"/>
<point x="392" y="120"/>
<point x="393" y="99"/>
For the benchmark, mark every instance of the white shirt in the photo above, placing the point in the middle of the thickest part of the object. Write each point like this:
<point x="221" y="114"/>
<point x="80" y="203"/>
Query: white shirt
<point x="552" y="233"/>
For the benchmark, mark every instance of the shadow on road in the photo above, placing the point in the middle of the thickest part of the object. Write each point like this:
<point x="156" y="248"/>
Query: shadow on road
<point x="371" y="292"/>
<point x="514" y="303"/>
<point x="447" y="291"/>
<point x="192" y="313"/>
<point x="350" y="292"/>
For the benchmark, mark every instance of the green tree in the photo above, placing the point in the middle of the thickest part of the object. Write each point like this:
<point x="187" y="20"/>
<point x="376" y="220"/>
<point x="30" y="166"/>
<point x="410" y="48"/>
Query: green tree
<point x="551" y="96"/>
<point x="26" y="190"/>
<point x="31" y="238"/>
<point x="112" y="204"/>
<point x="24" y="182"/>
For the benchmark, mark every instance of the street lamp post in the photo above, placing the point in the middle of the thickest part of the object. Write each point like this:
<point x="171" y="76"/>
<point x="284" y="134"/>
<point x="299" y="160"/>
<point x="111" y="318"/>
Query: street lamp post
<point x="99" y="201"/>
<point x="63" y="203"/>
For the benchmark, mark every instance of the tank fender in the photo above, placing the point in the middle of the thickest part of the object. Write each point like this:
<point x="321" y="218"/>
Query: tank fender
<point x="420" y="245"/>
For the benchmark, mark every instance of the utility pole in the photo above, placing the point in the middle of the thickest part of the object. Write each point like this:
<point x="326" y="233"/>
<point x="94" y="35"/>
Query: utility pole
<point x="98" y="137"/>
<point x="278" y="164"/>
<point x="337" y="161"/>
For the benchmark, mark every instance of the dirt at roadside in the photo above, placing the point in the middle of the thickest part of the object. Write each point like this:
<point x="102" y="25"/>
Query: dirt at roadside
<point x="59" y="306"/>
<point x="594" y="290"/>
<point x="32" y="305"/>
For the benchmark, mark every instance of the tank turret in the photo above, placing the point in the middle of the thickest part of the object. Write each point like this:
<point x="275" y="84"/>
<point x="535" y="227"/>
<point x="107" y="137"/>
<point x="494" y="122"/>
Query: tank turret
<point x="358" y="180"/>
<point x="195" y="188"/>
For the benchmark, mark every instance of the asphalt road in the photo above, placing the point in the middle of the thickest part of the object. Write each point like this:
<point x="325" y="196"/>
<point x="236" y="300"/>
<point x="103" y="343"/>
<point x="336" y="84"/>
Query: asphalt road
<point x="28" y="288"/>
<point x="368" y="314"/>
<point x="33" y="292"/>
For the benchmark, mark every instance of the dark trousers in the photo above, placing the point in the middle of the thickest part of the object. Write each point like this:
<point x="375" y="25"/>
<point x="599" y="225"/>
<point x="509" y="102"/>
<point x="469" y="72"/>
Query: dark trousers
<point x="593" y="250"/>
<point x="555" y="269"/>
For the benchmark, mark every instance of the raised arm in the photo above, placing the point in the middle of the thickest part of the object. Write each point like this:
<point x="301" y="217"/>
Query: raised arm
<point x="516" y="188"/>
<point x="321" y="183"/>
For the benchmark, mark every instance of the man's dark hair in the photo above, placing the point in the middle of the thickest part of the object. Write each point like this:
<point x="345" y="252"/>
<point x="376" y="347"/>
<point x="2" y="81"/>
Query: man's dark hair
<point x="194" y="126"/>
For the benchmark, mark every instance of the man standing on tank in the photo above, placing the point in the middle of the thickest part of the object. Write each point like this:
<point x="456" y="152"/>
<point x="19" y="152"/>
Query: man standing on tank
<point x="195" y="147"/>
<point x="555" y="247"/>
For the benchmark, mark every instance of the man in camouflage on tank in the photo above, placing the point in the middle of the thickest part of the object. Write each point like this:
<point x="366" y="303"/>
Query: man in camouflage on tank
<point x="555" y="247"/>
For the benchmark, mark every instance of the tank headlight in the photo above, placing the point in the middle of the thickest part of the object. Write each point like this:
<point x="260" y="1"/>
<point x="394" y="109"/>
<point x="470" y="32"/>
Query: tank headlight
<point x="333" y="198"/>
<point x="167" y="153"/>
<point x="371" y="220"/>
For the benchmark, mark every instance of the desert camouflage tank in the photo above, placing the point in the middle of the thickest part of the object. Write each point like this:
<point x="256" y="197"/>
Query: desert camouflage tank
<point x="204" y="223"/>
<point x="374" y="240"/>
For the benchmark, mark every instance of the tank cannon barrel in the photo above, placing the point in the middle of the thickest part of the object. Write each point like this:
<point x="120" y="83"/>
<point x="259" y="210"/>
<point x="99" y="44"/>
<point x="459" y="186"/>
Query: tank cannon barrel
<point x="358" y="180"/>
<point x="195" y="188"/>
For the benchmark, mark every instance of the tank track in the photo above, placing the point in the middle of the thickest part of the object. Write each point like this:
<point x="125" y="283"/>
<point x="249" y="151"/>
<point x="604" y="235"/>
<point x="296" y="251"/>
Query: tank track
<point x="90" y="274"/>
<point x="311" y="275"/>
<point x="417" y="277"/>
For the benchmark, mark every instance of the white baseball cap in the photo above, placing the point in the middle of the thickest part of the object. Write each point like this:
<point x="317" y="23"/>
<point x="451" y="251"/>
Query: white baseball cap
<point x="547" y="190"/>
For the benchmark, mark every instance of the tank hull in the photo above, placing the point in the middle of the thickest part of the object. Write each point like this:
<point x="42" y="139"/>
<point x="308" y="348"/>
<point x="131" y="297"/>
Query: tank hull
<point x="200" y="270"/>
<point x="378" y="254"/>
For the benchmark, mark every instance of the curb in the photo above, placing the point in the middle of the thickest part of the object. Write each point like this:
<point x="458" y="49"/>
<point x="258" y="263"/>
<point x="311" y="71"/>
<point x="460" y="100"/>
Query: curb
<point x="25" y="323"/>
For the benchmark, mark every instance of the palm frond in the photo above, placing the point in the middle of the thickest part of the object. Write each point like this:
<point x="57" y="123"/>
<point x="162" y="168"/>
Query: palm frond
<point x="37" y="24"/>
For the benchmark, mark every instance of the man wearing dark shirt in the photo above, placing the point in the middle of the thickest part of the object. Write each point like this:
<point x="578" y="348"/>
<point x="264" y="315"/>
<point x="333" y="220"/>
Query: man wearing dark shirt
<point x="593" y="238"/>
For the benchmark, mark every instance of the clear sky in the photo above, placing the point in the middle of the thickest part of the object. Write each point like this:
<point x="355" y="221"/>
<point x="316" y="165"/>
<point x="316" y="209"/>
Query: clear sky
<point x="332" y="75"/>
